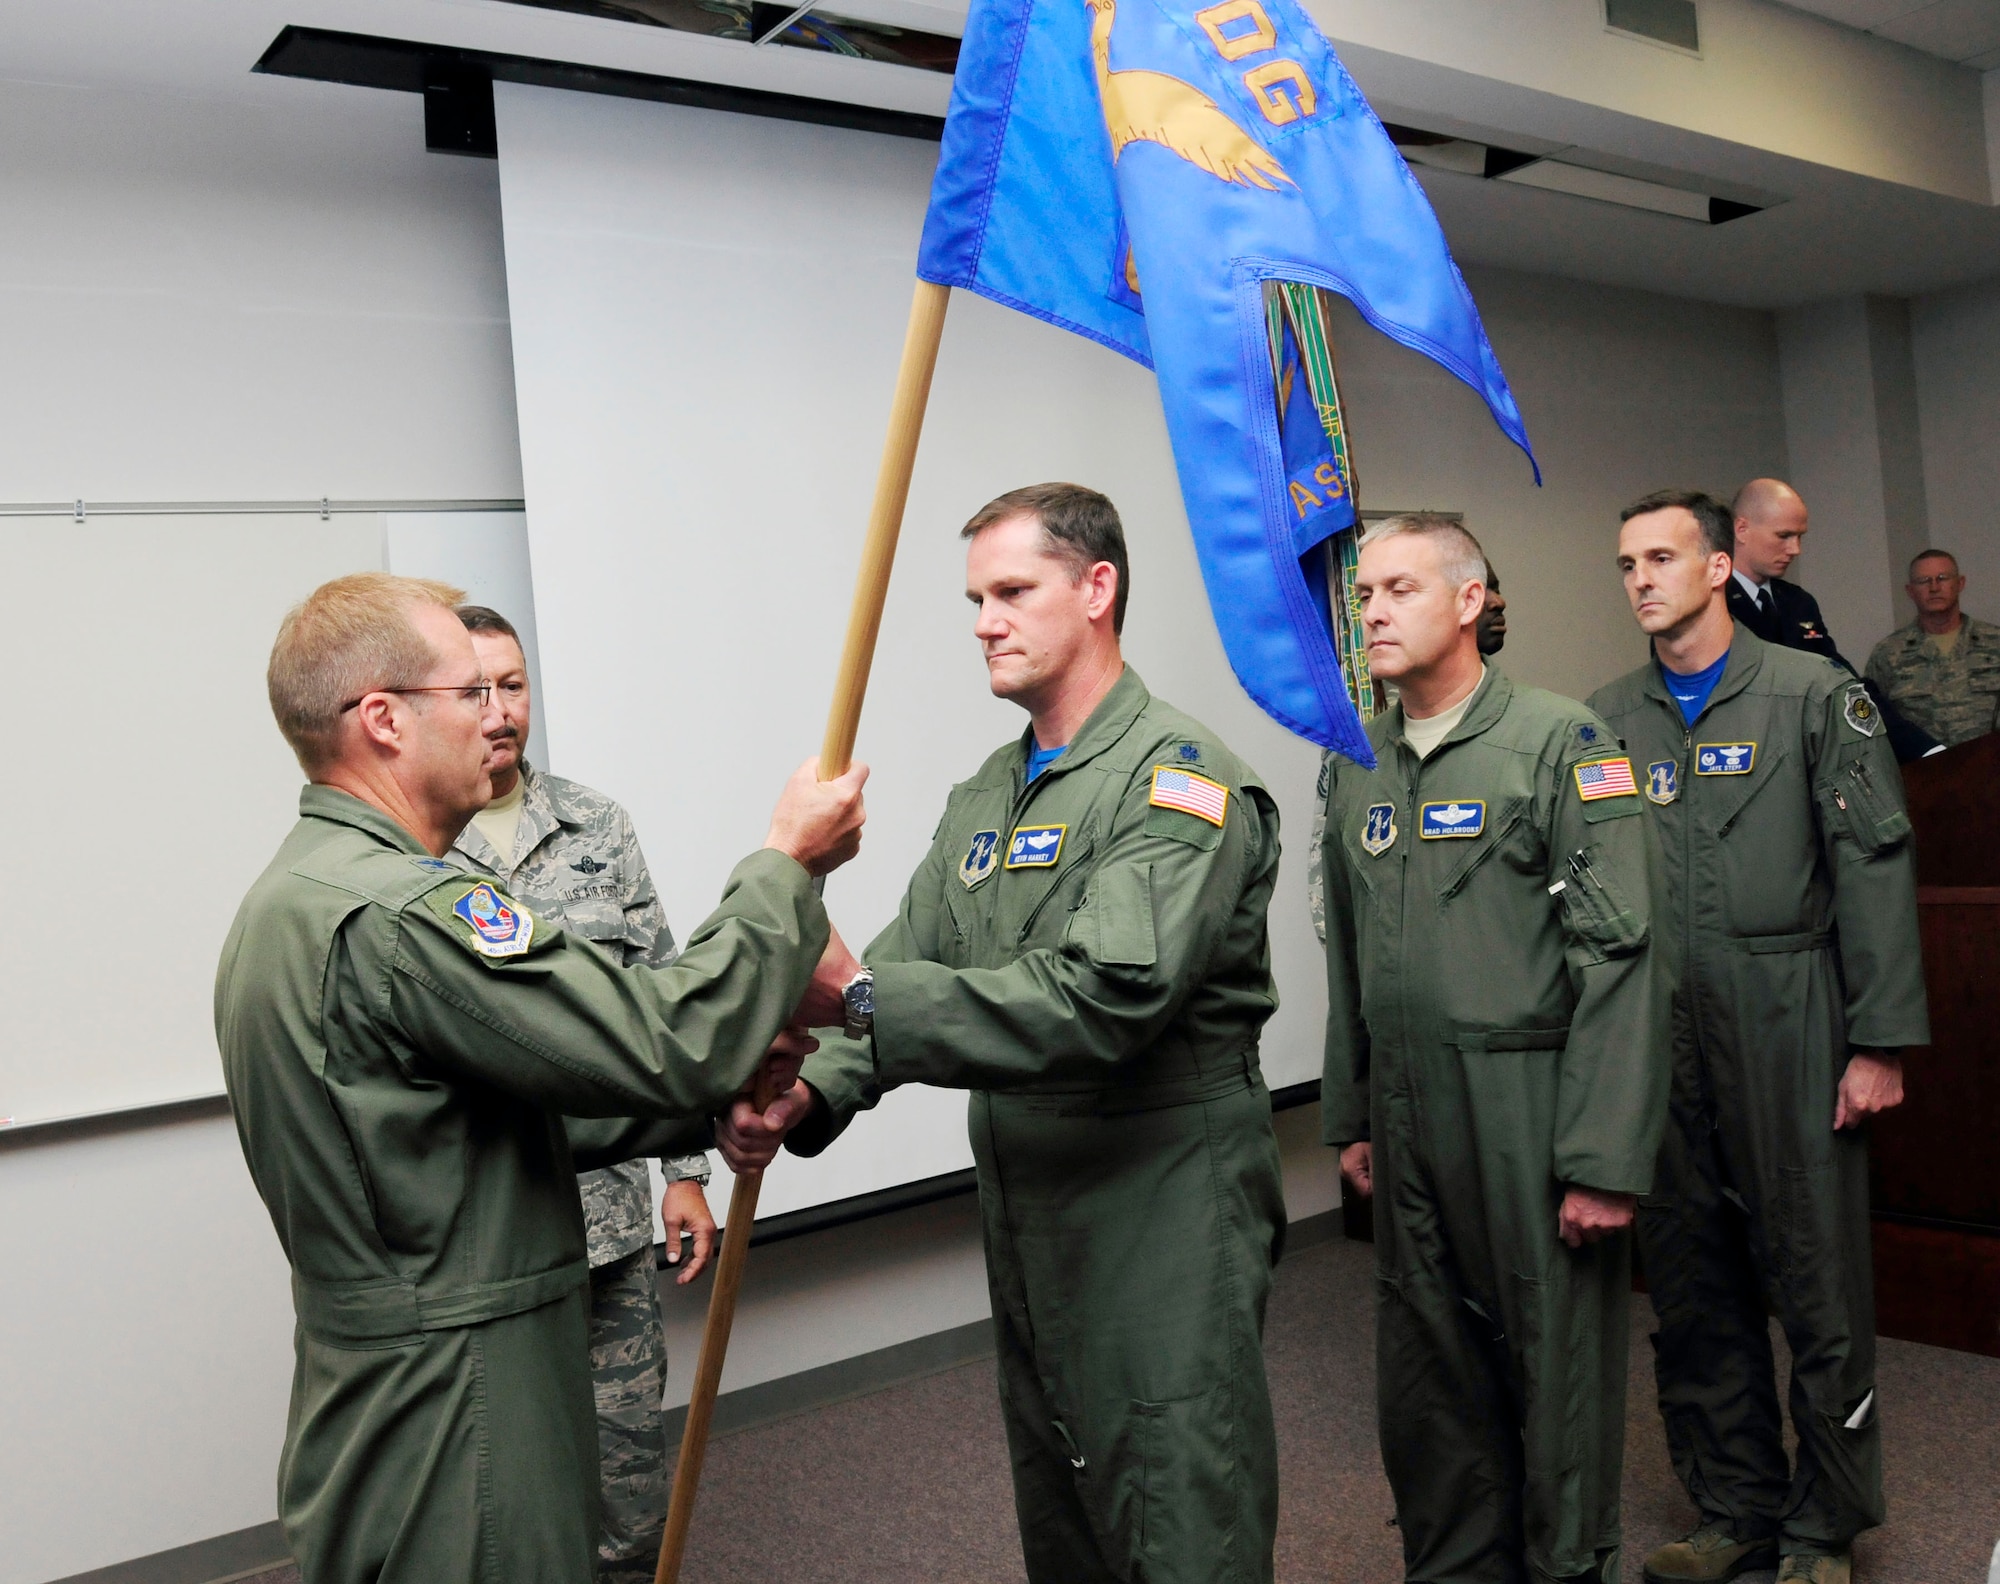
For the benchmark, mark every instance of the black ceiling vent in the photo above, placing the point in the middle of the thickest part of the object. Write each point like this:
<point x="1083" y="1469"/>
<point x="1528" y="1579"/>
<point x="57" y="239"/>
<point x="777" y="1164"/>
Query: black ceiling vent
<point x="1671" y="22"/>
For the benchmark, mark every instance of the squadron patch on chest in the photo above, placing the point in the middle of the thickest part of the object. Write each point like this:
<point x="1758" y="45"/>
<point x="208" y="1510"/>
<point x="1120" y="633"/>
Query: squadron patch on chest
<point x="979" y="858"/>
<point x="1378" y="829"/>
<point x="1035" y="846"/>
<point x="500" y="927"/>
<point x="1861" y="712"/>
<point x="1663" y="781"/>
<point x="1445" y="821"/>
<point x="1725" y="758"/>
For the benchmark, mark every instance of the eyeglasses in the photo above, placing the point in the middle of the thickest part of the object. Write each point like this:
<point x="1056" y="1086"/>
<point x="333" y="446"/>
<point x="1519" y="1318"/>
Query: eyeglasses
<point x="480" y="693"/>
<point x="1942" y="580"/>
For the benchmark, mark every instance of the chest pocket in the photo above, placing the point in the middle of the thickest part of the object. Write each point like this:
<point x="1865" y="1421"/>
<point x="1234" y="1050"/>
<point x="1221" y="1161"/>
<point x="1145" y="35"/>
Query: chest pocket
<point x="1508" y="837"/>
<point x="1041" y="899"/>
<point x="601" y="923"/>
<point x="1737" y="792"/>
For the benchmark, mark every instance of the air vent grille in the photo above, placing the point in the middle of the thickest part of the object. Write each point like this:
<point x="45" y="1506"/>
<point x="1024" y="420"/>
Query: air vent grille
<point x="1663" y="21"/>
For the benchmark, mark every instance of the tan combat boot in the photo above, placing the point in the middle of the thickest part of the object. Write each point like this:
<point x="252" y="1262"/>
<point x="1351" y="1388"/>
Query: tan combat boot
<point x="1816" y="1570"/>
<point x="1711" y="1555"/>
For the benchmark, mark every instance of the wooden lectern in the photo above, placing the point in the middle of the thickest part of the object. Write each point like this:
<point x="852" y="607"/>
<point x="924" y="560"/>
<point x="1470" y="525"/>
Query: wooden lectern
<point x="1935" y="1161"/>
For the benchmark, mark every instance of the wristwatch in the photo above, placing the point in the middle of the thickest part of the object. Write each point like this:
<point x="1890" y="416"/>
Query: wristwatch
<point x="858" y="996"/>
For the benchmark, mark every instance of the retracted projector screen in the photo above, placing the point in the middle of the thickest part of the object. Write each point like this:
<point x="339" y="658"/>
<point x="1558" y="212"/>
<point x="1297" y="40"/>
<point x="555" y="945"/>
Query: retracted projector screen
<point x="707" y="314"/>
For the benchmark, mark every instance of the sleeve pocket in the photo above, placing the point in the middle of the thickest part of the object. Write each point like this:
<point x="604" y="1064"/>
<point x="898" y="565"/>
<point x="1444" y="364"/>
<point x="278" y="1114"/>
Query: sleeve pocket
<point x="1115" y="925"/>
<point x="1598" y="910"/>
<point x="1856" y="807"/>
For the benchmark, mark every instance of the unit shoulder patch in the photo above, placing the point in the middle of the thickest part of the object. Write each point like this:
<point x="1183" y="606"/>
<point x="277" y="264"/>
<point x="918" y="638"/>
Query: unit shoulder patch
<point x="981" y="853"/>
<point x="1190" y="794"/>
<point x="1035" y="846"/>
<point x="1860" y="711"/>
<point x="1604" y="778"/>
<point x="1725" y="758"/>
<point x="1454" y="820"/>
<point x="497" y="925"/>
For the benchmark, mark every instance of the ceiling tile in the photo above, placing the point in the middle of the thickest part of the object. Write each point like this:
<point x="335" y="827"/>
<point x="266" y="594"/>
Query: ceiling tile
<point x="1857" y="13"/>
<point x="1955" y="29"/>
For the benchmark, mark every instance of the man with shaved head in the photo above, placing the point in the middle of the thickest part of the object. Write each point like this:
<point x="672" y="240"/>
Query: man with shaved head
<point x="1771" y="525"/>
<point x="405" y="1047"/>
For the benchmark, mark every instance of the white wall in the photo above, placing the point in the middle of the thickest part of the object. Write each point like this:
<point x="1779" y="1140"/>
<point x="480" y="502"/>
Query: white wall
<point x="279" y="298"/>
<point x="1956" y="339"/>
<point x="208" y="300"/>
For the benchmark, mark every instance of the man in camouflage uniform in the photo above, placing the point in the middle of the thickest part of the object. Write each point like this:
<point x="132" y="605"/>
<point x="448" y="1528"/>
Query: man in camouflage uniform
<point x="1943" y="670"/>
<point x="573" y="856"/>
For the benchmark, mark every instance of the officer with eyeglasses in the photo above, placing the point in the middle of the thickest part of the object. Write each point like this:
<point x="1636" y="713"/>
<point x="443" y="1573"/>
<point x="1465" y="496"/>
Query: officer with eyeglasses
<point x="1943" y="670"/>
<point x="419" y="1064"/>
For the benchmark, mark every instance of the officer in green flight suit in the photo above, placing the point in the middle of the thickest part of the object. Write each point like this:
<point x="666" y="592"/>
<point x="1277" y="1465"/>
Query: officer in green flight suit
<point x="1084" y="949"/>
<point x="1496" y="1075"/>
<point x="1792" y="895"/>
<point x="402" y="1043"/>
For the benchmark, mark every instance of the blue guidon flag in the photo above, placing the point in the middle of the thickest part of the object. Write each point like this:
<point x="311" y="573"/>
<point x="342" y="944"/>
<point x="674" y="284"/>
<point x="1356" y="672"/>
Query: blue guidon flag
<point x="1136" y="171"/>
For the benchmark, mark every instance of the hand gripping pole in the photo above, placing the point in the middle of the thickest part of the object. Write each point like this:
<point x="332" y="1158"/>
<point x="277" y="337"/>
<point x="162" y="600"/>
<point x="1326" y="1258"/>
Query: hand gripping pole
<point x="850" y="687"/>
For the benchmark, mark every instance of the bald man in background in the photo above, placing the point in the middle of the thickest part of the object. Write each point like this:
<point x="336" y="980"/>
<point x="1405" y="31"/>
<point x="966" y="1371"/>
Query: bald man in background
<point x="1771" y="525"/>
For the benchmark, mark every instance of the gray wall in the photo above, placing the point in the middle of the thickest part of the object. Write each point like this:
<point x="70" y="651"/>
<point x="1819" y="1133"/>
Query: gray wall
<point x="1956" y="339"/>
<point x="1623" y="392"/>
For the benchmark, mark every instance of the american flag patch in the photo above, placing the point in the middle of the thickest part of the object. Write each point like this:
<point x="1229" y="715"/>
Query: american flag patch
<point x="1190" y="793"/>
<point x="1603" y="778"/>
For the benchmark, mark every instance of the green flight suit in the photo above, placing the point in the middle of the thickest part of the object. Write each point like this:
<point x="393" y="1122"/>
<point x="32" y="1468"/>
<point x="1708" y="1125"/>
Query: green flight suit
<point x="401" y="1097"/>
<point x="1094" y="967"/>
<point x="1497" y="1027"/>
<point x="1792" y="891"/>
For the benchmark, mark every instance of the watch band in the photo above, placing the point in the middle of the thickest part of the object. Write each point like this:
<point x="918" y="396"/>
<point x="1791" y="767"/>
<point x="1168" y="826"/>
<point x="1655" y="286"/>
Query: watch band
<point x="858" y="997"/>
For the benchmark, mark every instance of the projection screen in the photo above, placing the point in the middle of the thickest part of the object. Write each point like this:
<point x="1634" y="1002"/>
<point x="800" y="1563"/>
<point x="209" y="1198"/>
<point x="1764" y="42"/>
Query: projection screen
<point x="707" y="312"/>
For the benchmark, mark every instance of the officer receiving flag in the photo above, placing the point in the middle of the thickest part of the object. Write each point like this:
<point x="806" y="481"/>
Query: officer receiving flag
<point x="1179" y="184"/>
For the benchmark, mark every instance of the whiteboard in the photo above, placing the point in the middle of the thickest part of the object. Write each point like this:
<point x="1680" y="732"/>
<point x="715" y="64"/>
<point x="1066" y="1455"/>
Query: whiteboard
<point x="149" y="787"/>
<point x="707" y="314"/>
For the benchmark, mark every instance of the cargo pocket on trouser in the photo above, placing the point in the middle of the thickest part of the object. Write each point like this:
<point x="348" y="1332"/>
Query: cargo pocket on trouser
<point x="1172" y="1496"/>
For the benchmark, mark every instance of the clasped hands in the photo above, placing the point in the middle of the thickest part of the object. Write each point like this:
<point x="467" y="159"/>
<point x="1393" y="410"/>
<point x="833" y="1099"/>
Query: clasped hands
<point x="749" y="1136"/>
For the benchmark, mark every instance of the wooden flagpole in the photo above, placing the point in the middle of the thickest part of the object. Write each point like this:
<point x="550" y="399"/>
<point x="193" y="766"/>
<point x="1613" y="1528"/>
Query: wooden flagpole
<point x="850" y="687"/>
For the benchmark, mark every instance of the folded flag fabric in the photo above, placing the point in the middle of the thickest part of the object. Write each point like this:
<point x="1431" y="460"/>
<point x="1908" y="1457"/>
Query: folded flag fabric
<point x="1136" y="171"/>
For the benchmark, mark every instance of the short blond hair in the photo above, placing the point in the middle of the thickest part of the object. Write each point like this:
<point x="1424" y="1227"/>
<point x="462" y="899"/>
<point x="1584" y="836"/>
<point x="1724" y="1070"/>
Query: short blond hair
<point x="346" y="638"/>
<point x="1464" y="562"/>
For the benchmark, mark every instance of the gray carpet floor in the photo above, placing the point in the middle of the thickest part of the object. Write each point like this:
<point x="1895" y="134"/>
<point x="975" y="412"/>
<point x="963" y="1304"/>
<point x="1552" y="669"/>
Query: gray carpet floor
<point x="909" y="1485"/>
